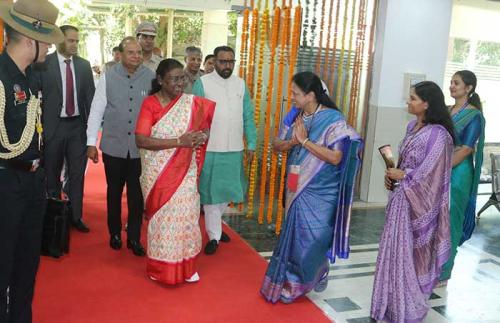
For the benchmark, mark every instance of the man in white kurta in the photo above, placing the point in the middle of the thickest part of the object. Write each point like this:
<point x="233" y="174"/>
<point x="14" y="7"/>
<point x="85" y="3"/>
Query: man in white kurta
<point x="222" y="178"/>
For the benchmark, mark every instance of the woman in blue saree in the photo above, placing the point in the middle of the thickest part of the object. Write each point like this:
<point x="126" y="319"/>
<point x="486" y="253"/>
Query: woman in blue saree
<point x="323" y="159"/>
<point x="466" y="162"/>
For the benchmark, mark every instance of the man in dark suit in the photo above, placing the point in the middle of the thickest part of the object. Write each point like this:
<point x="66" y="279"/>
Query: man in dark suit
<point x="68" y="89"/>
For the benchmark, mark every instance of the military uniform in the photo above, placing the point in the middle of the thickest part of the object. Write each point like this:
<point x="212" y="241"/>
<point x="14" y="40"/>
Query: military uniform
<point x="22" y="181"/>
<point x="22" y="197"/>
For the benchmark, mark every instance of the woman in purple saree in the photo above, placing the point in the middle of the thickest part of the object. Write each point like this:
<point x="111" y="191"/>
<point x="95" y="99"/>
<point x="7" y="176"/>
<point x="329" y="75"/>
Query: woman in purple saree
<point x="416" y="242"/>
<point x="322" y="164"/>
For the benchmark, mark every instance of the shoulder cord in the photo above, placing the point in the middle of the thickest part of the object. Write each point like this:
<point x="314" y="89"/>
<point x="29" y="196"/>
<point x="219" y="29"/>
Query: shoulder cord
<point x="33" y="122"/>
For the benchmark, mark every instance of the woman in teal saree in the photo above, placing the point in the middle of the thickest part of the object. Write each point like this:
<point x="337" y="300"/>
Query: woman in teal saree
<point x="467" y="160"/>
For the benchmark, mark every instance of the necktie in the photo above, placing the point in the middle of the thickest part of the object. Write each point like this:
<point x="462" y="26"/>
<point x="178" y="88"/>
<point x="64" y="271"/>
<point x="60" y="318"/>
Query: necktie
<point x="70" y="96"/>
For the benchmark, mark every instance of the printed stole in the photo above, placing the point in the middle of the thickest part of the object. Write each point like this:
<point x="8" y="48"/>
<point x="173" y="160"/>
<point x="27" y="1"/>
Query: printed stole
<point x="164" y="170"/>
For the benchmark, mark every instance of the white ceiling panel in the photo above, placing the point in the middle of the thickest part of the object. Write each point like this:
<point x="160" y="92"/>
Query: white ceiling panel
<point x="177" y="4"/>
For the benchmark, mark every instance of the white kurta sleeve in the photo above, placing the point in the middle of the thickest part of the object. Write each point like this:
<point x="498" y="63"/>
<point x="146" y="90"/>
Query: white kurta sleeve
<point x="97" y="109"/>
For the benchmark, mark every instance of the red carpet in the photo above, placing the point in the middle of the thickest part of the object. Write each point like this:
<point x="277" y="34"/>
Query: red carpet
<point x="97" y="284"/>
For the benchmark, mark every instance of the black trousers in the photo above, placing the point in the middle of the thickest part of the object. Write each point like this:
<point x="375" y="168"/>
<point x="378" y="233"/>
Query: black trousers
<point x="121" y="171"/>
<point x="68" y="143"/>
<point x="22" y="207"/>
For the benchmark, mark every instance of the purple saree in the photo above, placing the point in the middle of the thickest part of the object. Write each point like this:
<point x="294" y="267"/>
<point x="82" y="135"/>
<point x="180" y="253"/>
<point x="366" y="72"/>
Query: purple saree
<point x="415" y="242"/>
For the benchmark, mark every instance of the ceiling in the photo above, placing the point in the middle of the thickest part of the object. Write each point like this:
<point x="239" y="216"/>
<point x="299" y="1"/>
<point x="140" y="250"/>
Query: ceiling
<point x="493" y="5"/>
<point x="178" y="4"/>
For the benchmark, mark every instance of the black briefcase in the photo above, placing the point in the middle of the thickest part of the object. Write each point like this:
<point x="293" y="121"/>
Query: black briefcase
<point x="56" y="227"/>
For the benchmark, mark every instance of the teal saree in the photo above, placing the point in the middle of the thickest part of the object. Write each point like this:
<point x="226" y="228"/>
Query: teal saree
<point x="469" y="130"/>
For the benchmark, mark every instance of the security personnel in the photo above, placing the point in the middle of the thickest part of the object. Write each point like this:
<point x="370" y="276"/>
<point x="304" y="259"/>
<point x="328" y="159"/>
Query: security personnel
<point x="30" y="29"/>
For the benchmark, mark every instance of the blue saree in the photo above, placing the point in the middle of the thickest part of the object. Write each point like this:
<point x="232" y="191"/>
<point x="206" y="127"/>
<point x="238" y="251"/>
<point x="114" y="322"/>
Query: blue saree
<point x="469" y="129"/>
<point x="318" y="213"/>
<point x="469" y="126"/>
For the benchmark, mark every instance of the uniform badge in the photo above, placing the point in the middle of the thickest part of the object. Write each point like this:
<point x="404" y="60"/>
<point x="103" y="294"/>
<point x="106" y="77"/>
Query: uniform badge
<point x="37" y="24"/>
<point x="19" y="95"/>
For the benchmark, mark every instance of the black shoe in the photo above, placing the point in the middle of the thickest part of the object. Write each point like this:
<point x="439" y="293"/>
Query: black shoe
<point x="81" y="226"/>
<point x="211" y="247"/>
<point x="115" y="242"/>
<point x="224" y="237"/>
<point x="136" y="247"/>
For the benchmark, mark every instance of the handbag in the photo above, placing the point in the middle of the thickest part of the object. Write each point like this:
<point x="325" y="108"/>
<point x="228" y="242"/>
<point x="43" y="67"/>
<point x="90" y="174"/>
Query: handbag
<point x="56" y="227"/>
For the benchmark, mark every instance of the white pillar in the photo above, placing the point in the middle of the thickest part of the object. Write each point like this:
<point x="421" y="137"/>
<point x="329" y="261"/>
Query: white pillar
<point x="412" y="37"/>
<point x="214" y="31"/>
<point x="128" y="27"/>
<point x="170" y="33"/>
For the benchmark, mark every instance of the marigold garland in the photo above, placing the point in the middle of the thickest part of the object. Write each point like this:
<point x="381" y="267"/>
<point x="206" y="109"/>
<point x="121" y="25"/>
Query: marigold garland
<point x="313" y="33"/>
<point x="341" y="57"/>
<point x="279" y="95"/>
<point x="348" y="94"/>
<point x="346" y="90"/>
<point x="258" y="101"/>
<point x="306" y="24"/>
<point x="267" y="128"/>
<point x="369" y="67"/>
<point x="354" y="90"/>
<point x="335" y="41"/>
<point x="252" y="47"/>
<point x="243" y="64"/>
<point x="297" y="24"/>
<point x="250" y="70"/>
<point x="358" y="58"/>
<point x="325" y="75"/>
<point x="320" y="47"/>
<point x="244" y="43"/>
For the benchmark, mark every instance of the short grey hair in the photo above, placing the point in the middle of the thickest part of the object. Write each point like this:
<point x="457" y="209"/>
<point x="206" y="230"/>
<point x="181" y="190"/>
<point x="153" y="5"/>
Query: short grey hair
<point x="192" y="50"/>
<point x="124" y="41"/>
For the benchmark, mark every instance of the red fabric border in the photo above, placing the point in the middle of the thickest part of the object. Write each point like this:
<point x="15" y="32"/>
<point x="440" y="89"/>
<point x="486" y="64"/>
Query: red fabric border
<point x="171" y="273"/>
<point x="173" y="174"/>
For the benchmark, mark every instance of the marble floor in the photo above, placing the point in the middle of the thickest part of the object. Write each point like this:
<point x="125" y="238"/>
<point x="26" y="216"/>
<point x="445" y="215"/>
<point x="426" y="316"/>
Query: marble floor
<point x="472" y="295"/>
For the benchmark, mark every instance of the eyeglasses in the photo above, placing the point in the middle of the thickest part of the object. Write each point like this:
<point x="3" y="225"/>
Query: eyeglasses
<point x="177" y="79"/>
<point x="226" y="61"/>
<point x="147" y="37"/>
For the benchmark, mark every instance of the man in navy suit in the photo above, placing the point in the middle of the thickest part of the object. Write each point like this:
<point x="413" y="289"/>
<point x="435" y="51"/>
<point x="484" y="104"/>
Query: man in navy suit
<point x="68" y="89"/>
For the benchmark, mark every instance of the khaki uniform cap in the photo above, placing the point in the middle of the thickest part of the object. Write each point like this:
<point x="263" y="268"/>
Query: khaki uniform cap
<point x="33" y="18"/>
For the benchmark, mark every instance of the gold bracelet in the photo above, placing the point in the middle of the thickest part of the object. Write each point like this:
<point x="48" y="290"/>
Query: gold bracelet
<point x="305" y="141"/>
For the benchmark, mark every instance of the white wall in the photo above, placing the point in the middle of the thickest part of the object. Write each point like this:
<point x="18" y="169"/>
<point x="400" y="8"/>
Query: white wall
<point x="476" y="19"/>
<point x="412" y="36"/>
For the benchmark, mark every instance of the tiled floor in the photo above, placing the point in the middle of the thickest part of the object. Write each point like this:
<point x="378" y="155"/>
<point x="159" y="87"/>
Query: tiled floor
<point x="472" y="295"/>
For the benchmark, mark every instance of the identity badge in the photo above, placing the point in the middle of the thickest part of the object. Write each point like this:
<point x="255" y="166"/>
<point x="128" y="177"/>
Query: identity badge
<point x="293" y="177"/>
